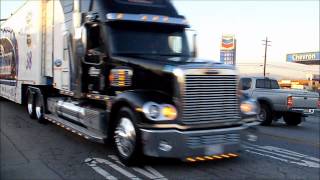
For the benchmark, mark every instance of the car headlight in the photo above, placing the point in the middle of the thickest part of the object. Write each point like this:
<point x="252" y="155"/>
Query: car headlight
<point x="248" y="108"/>
<point x="159" y="112"/>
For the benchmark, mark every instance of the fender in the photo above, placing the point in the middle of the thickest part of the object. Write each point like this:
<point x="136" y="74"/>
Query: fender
<point x="268" y="101"/>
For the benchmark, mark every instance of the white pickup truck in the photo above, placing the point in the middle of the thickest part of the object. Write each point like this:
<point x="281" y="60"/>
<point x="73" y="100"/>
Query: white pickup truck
<point x="292" y="105"/>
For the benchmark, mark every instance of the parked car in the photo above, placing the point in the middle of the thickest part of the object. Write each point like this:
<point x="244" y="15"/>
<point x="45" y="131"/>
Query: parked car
<point x="292" y="105"/>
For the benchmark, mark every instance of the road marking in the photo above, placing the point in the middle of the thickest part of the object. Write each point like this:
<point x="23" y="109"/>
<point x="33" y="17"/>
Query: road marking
<point x="274" y="153"/>
<point x="93" y="164"/>
<point x="283" y="155"/>
<point x="103" y="172"/>
<point x="147" y="171"/>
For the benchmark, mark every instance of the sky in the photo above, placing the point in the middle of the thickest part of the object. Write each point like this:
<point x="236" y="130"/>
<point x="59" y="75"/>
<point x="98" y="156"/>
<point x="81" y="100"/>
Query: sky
<point x="292" y="26"/>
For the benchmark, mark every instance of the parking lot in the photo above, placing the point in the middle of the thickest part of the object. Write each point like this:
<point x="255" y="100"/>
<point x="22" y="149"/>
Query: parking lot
<point x="30" y="150"/>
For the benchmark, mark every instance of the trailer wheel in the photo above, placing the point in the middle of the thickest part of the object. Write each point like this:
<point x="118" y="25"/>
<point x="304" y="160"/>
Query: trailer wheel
<point x="40" y="107"/>
<point x="31" y="105"/>
<point x="127" y="137"/>
<point x="265" y="115"/>
<point x="292" y="119"/>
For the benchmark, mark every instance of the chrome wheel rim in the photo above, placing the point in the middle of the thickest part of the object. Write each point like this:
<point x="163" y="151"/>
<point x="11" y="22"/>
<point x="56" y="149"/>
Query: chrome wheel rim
<point x="38" y="112"/>
<point x="125" y="137"/>
<point x="30" y="108"/>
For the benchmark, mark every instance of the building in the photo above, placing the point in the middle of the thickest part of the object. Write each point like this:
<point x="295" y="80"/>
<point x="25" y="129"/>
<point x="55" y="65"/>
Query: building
<point x="228" y="49"/>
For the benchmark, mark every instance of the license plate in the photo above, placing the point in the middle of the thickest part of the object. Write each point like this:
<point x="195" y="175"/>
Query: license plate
<point x="214" y="149"/>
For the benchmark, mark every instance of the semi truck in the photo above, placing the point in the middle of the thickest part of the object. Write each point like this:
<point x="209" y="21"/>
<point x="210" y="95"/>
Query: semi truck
<point x="124" y="71"/>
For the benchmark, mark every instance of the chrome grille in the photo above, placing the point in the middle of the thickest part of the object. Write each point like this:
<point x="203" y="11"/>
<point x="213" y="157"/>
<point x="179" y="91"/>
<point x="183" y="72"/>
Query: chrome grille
<point x="195" y="141"/>
<point x="210" y="99"/>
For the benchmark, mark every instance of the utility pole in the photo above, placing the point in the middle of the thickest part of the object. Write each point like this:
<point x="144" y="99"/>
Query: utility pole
<point x="265" y="55"/>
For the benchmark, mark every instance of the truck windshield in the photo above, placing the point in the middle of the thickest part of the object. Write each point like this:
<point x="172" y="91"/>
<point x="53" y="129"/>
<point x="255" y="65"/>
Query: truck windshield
<point x="144" y="39"/>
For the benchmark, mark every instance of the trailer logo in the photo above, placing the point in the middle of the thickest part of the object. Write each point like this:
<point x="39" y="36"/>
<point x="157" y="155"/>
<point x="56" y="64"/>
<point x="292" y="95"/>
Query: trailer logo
<point x="8" y="55"/>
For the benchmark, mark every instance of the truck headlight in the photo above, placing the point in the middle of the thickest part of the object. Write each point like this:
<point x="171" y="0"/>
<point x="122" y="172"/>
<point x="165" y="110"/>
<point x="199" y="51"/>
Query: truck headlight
<point x="248" y="108"/>
<point x="151" y="110"/>
<point x="159" y="112"/>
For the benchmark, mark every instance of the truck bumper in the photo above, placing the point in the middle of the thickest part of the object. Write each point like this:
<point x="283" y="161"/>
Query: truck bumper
<point x="172" y="143"/>
<point x="303" y="111"/>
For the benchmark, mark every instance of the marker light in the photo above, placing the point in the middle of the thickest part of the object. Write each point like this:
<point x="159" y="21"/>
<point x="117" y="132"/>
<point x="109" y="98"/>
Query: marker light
<point x="144" y="18"/>
<point x="119" y="16"/>
<point x="155" y="18"/>
<point x="169" y="112"/>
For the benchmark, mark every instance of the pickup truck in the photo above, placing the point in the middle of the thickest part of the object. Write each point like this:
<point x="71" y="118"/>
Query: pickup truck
<point x="292" y="105"/>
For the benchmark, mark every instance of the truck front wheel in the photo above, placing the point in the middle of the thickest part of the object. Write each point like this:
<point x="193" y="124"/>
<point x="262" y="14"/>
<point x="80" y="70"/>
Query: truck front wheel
<point x="127" y="137"/>
<point x="292" y="119"/>
<point x="265" y="115"/>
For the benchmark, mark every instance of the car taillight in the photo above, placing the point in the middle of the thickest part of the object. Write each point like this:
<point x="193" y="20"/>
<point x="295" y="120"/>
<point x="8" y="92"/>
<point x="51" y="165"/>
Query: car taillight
<point x="289" y="102"/>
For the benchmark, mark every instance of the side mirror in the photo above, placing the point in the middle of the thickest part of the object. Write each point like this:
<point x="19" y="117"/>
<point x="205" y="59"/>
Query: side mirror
<point x="84" y="39"/>
<point x="81" y="41"/>
<point x="192" y="41"/>
<point x="85" y="48"/>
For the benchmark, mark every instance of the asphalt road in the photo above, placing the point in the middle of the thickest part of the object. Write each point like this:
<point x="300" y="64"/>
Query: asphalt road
<point x="30" y="150"/>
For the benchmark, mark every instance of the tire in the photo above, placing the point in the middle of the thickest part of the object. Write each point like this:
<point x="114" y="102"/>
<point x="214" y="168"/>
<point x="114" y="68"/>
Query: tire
<point x="127" y="137"/>
<point x="31" y="105"/>
<point x="265" y="115"/>
<point x="292" y="119"/>
<point x="40" y="107"/>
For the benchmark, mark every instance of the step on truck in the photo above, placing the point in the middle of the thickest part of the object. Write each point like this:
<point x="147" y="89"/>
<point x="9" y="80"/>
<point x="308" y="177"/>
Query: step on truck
<point x="123" y="70"/>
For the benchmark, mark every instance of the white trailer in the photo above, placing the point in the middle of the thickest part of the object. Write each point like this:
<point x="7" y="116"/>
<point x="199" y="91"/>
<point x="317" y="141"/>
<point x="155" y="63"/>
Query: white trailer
<point x="32" y="40"/>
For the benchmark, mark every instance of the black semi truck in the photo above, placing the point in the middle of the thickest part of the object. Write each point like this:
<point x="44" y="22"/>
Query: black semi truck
<point x="123" y="70"/>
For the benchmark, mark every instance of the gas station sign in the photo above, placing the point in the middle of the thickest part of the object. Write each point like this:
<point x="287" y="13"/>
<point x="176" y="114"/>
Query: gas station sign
<point x="311" y="58"/>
